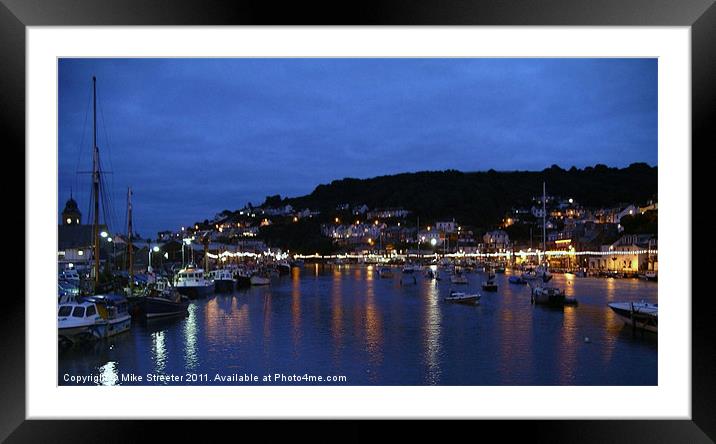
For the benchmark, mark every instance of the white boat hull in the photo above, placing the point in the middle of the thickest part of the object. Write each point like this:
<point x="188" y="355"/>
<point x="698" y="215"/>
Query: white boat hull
<point x="259" y="280"/>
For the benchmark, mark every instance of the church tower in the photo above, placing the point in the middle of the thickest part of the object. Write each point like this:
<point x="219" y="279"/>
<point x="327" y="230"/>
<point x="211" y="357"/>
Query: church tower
<point x="71" y="214"/>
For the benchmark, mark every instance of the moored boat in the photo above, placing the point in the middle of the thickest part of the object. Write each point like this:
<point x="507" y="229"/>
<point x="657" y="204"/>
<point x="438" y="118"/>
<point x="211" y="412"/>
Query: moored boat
<point x="223" y="280"/>
<point x="192" y="283"/>
<point x="458" y="278"/>
<point x="517" y="280"/>
<point x="385" y="272"/>
<point x="489" y="285"/>
<point x="649" y="275"/>
<point x="432" y="273"/>
<point x="93" y="317"/>
<point x="260" y="280"/>
<point x="242" y="277"/>
<point x="168" y="302"/>
<point x="411" y="268"/>
<point x="551" y="296"/>
<point x="641" y="315"/>
<point x="463" y="298"/>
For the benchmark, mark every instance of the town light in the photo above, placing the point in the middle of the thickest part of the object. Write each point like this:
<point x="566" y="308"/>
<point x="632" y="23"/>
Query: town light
<point x="103" y="234"/>
<point x="433" y="242"/>
<point x="155" y="248"/>
<point x="109" y="239"/>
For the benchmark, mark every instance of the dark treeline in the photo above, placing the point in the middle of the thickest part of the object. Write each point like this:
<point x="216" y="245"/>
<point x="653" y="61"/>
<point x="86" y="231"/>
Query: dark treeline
<point x="481" y="199"/>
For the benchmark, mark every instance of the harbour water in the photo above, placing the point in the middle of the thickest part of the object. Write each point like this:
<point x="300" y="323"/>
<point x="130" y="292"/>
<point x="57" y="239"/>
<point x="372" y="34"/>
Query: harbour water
<point x="346" y="322"/>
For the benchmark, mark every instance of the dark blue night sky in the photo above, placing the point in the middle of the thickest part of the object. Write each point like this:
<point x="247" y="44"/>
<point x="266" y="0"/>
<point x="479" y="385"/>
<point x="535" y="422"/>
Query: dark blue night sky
<point x="196" y="136"/>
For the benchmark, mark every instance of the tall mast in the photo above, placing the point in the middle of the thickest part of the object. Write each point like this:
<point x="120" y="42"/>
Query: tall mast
<point x="544" y="222"/>
<point x="95" y="184"/>
<point x="130" y="269"/>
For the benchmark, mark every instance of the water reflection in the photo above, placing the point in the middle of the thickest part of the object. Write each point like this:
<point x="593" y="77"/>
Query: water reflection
<point x="345" y="320"/>
<point x="108" y="374"/>
<point x="431" y="334"/>
<point x="191" y="356"/>
<point x="159" y="351"/>
<point x="337" y="317"/>
<point x="296" y="311"/>
<point x="373" y="334"/>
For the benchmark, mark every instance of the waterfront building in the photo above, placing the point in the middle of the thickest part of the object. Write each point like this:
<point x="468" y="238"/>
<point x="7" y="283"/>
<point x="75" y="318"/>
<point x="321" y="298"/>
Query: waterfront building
<point x="496" y="240"/>
<point x="630" y="255"/>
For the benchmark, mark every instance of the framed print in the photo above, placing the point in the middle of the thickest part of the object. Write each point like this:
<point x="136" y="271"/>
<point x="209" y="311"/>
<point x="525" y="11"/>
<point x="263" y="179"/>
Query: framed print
<point x="454" y="219"/>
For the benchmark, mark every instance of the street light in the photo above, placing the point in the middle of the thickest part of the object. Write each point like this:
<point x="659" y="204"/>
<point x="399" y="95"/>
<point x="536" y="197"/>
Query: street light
<point x="104" y="234"/>
<point x="154" y="249"/>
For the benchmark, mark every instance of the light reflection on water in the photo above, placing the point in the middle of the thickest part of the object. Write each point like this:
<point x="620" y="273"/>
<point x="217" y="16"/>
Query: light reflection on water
<point x="191" y="357"/>
<point x="346" y="320"/>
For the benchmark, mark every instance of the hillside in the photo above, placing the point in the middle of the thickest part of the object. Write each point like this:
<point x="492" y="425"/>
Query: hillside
<point x="483" y="198"/>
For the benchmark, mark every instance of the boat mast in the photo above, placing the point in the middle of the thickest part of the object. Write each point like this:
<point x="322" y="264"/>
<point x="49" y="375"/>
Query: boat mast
<point x="95" y="184"/>
<point x="544" y="222"/>
<point x="130" y="269"/>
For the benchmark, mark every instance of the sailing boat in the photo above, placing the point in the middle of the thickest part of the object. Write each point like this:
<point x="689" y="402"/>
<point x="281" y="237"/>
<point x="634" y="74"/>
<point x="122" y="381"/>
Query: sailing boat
<point x="96" y="316"/>
<point x="543" y="294"/>
<point x="541" y="272"/>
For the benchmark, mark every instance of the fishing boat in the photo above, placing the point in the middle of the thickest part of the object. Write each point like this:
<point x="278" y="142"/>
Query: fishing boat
<point x="192" y="283"/>
<point x="641" y="315"/>
<point x="385" y="272"/>
<point x="548" y="296"/>
<point x="92" y="317"/>
<point x="517" y="280"/>
<point x="463" y="298"/>
<point x="223" y="280"/>
<point x="242" y="277"/>
<point x="162" y="303"/>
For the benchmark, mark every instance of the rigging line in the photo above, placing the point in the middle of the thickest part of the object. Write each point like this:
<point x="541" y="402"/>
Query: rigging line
<point x="107" y="207"/>
<point x="112" y="190"/>
<point x="82" y="139"/>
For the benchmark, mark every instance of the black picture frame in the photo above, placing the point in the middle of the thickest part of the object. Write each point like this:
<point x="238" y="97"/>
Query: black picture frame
<point x="700" y="15"/>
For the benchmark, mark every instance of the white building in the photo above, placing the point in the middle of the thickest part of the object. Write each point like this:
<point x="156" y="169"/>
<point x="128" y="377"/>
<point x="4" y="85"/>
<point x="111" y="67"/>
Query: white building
<point x="446" y="227"/>
<point x="496" y="239"/>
